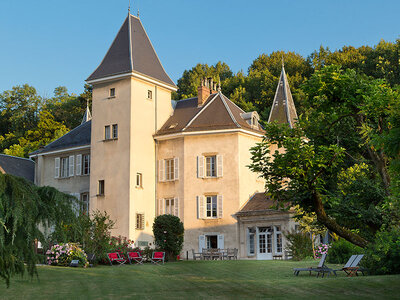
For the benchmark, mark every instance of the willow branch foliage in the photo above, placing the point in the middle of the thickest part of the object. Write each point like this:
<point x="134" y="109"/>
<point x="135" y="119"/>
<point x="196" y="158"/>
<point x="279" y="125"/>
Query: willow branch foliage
<point x="23" y="206"/>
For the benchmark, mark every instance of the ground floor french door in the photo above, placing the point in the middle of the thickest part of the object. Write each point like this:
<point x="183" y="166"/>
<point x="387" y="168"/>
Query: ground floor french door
<point x="264" y="243"/>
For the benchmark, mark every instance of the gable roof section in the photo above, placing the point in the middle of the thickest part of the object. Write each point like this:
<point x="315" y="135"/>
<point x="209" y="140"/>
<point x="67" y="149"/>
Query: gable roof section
<point x="79" y="136"/>
<point x="131" y="51"/>
<point x="217" y="113"/>
<point x="258" y="202"/>
<point x="17" y="166"/>
<point x="283" y="109"/>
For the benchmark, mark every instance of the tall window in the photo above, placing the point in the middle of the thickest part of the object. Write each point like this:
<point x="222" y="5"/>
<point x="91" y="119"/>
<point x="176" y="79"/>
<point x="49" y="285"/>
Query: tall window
<point x="169" y="169"/>
<point x="140" y="221"/>
<point x="101" y="187"/>
<point x="211" y="206"/>
<point x="169" y="206"/>
<point x="86" y="164"/>
<point x="85" y="203"/>
<point x="115" y="131"/>
<point x="139" y="178"/>
<point x="107" y="135"/>
<point x="112" y="92"/>
<point x="211" y="166"/>
<point x="278" y="238"/>
<point x="64" y="167"/>
<point x="251" y="245"/>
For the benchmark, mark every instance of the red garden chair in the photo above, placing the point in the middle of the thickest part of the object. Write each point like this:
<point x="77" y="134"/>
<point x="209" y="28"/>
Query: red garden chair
<point x="115" y="257"/>
<point x="135" y="257"/>
<point x="158" y="257"/>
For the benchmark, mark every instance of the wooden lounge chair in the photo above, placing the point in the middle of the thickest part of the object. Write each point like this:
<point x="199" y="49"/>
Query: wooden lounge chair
<point x="135" y="257"/>
<point x="351" y="267"/>
<point x="196" y="255"/>
<point x="114" y="257"/>
<point x="158" y="257"/>
<point x="321" y="268"/>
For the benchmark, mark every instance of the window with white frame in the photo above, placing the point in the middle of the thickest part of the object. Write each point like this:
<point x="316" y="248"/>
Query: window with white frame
<point x="107" y="133"/>
<point x="209" y="166"/>
<point x="211" y="170"/>
<point x="86" y="164"/>
<point x="139" y="180"/>
<point x="209" y="207"/>
<point x="140" y="221"/>
<point x="64" y="167"/>
<point x="251" y="241"/>
<point x="168" y="169"/>
<point x="169" y="206"/>
<point x="278" y="239"/>
<point x="115" y="131"/>
<point x="85" y="203"/>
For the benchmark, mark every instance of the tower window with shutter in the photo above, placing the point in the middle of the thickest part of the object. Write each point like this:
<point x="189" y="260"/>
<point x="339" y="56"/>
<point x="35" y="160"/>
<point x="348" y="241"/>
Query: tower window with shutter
<point x="86" y="164"/>
<point x="169" y="169"/>
<point x="64" y="167"/>
<point x="140" y="221"/>
<point x="211" y="166"/>
<point x="211" y="206"/>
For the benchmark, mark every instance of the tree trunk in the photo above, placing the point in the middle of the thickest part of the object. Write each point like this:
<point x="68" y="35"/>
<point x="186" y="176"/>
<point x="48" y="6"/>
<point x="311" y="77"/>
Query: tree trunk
<point x="380" y="164"/>
<point x="333" y="226"/>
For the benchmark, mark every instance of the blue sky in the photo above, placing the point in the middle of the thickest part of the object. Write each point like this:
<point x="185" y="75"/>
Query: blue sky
<point x="48" y="43"/>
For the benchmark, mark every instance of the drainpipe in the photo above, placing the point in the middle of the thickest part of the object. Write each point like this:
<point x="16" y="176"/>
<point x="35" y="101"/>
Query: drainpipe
<point x="155" y="152"/>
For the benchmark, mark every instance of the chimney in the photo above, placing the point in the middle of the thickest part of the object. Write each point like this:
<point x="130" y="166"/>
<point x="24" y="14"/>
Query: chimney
<point x="206" y="88"/>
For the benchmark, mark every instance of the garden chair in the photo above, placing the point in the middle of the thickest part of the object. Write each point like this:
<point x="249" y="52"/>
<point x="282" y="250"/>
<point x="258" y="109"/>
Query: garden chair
<point x="135" y="257"/>
<point x="158" y="257"/>
<point x="351" y="267"/>
<point x="321" y="268"/>
<point x="114" y="257"/>
<point x="91" y="258"/>
<point x="232" y="253"/>
<point x="196" y="255"/>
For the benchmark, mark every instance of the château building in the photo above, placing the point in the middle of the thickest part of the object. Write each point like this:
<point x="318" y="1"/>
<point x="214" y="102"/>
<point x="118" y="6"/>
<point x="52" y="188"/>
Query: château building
<point x="140" y="155"/>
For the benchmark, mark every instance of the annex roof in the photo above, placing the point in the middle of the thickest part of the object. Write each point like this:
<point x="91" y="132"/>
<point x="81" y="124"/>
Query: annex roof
<point x="283" y="109"/>
<point x="261" y="203"/>
<point x="217" y="113"/>
<point x="17" y="166"/>
<point x="131" y="51"/>
<point x="79" y="136"/>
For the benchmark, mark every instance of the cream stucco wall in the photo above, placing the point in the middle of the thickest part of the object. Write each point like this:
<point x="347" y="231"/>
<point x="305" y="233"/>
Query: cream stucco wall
<point x="45" y="173"/>
<point x="118" y="161"/>
<point x="236" y="185"/>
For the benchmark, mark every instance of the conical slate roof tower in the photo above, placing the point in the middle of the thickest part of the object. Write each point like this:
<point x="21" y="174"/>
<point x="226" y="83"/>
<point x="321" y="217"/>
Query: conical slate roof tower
<point x="283" y="109"/>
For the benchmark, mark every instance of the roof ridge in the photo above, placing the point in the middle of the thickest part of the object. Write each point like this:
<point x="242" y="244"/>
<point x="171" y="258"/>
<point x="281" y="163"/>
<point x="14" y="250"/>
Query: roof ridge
<point x="12" y="156"/>
<point x="229" y="110"/>
<point x="130" y="40"/>
<point x="201" y="110"/>
<point x="234" y="104"/>
<point x="286" y="96"/>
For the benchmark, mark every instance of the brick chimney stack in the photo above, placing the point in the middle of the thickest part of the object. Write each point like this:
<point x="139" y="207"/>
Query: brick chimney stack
<point x="206" y="88"/>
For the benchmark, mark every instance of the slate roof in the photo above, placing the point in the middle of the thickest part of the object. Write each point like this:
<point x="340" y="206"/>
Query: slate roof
<point x="217" y="113"/>
<point x="130" y="51"/>
<point x="17" y="166"/>
<point x="79" y="136"/>
<point x="261" y="203"/>
<point x="283" y="109"/>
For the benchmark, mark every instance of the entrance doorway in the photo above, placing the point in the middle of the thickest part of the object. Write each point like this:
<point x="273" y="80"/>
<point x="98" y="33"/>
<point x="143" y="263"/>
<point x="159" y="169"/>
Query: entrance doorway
<point x="264" y="245"/>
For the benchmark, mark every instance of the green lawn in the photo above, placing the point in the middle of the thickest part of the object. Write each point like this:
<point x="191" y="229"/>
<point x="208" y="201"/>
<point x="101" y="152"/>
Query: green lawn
<point x="196" y="280"/>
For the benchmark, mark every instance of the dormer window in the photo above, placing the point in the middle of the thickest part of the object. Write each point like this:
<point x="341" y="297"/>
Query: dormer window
<point x="112" y="92"/>
<point x="251" y="118"/>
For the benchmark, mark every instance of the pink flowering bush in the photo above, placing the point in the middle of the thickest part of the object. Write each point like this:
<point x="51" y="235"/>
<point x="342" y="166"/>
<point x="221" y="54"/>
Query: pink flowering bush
<point x="322" y="249"/>
<point x="63" y="254"/>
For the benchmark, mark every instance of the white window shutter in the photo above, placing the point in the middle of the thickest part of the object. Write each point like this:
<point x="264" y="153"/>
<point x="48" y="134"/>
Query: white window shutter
<point x="200" y="207"/>
<point x="71" y="166"/>
<point x="176" y="207"/>
<point x="220" y="163"/>
<point x="202" y="243"/>
<point x="220" y="242"/>
<point x="176" y="168"/>
<point x="78" y="164"/>
<point x="57" y="167"/>
<point x="219" y="206"/>
<point x="161" y="207"/>
<point x="200" y="166"/>
<point x="161" y="170"/>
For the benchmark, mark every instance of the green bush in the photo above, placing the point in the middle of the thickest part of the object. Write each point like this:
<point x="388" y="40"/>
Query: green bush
<point x="168" y="234"/>
<point x="383" y="255"/>
<point x="300" y="245"/>
<point x="341" y="250"/>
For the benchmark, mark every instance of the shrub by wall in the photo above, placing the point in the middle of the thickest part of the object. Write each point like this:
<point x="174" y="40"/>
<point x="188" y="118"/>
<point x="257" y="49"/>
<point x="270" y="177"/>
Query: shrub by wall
<point x="168" y="234"/>
<point x="300" y="245"/>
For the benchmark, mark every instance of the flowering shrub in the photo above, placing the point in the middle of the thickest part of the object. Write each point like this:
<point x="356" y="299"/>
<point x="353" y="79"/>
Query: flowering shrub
<point x="121" y="245"/>
<point x="322" y="249"/>
<point x="63" y="254"/>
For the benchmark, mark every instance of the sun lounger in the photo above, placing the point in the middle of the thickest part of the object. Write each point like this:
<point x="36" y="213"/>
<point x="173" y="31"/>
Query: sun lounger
<point x="351" y="267"/>
<point x="320" y="269"/>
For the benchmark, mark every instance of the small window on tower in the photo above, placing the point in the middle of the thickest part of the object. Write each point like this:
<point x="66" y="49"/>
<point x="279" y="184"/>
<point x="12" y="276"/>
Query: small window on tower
<point x="101" y="187"/>
<point x="149" y="94"/>
<point x="139" y="182"/>
<point x="140" y="221"/>
<point x="112" y="92"/>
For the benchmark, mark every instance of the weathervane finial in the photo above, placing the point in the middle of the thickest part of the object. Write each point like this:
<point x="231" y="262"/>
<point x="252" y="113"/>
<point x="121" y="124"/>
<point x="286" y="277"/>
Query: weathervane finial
<point x="283" y="63"/>
<point x="129" y="7"/>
